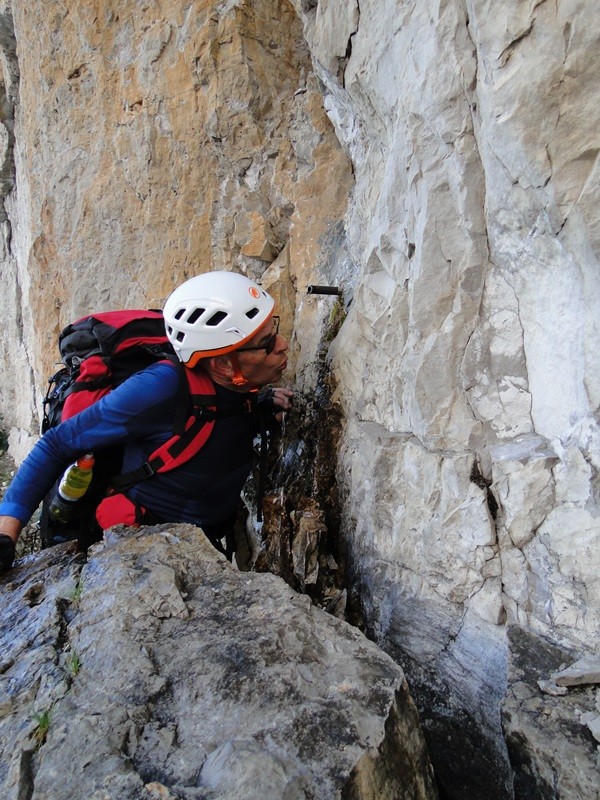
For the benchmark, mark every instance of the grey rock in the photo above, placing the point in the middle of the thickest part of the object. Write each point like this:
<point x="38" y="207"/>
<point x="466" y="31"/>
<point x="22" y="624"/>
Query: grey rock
<point x="157" y="670"/>
<point x="593" y="724"/>
<point x="549" y="687"/>
<point x="551" y="749"/>
<point x="584" y="670"/>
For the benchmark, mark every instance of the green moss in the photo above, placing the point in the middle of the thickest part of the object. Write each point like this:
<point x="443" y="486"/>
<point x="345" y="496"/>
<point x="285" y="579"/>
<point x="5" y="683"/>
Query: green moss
<point x="337" y="315"/>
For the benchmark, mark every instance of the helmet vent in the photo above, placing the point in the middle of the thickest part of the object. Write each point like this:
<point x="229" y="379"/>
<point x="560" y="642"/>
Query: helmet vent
<point x="180" y="313"/>
<point x="252" y="313"/>
<point x="180" y="336"/>
<point x="216" y="318"/>
<point x="195" y="315"/>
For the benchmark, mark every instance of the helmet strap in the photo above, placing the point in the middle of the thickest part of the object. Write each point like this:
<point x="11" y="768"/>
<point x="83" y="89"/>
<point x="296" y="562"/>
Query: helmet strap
<point x="238" y="377"/>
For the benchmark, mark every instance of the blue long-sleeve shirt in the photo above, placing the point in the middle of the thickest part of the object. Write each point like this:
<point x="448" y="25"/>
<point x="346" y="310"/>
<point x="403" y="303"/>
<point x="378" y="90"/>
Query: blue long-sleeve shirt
<point x="139" y="415"/>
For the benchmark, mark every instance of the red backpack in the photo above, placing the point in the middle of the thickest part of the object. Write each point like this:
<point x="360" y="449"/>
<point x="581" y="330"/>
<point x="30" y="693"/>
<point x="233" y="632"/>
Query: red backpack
<point x="99" y="352"/>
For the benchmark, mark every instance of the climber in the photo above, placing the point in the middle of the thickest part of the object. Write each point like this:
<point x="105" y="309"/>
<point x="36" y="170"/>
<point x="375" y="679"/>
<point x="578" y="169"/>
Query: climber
<point x="218" y="322"/>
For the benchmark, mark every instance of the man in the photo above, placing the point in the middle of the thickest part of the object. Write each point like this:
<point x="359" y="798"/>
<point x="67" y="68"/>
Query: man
<point x="219" y="322"/>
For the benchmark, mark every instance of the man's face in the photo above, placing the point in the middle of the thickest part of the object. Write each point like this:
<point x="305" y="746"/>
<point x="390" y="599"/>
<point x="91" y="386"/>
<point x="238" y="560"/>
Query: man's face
<point x="258" y="366"/>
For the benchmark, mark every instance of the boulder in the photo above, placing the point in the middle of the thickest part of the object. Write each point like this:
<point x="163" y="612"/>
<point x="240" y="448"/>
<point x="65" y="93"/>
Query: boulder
<point x="155" y="669"/>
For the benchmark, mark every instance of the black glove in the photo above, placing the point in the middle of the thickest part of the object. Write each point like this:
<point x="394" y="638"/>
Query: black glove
<point x="265" y="399"/>
<point x="7" y="552"/>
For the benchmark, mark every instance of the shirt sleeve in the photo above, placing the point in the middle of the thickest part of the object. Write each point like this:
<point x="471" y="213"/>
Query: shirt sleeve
<point x="131" y="411"/>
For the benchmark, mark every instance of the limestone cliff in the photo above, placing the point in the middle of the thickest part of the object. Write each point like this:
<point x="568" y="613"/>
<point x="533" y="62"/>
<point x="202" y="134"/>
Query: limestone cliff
<point x="439" y="162"/>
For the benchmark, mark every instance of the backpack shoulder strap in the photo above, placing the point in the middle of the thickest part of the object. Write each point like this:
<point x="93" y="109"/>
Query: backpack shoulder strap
<point x="197" y="395"/>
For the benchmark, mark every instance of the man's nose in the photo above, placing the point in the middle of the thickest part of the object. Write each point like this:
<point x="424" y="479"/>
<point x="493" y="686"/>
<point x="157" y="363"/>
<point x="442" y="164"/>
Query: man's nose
<point x="281" y="344"/>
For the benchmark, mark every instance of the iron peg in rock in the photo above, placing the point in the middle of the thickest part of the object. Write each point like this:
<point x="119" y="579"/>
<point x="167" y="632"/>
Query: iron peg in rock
<point x="312" y="288"/>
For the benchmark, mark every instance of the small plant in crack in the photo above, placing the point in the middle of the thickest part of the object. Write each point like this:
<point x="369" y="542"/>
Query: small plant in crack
<point x="76" y="592"/>
<point x="42" y="718"/>
<point x="73" y="663"/>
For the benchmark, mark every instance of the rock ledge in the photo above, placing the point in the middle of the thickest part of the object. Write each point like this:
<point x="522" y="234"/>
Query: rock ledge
<point x="156" y="670"/>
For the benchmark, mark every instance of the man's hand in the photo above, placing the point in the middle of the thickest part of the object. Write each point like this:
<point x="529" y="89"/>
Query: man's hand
<point x="282" y="398"/>
<point x="7" y="552"/>
<point x="274" y="399"/>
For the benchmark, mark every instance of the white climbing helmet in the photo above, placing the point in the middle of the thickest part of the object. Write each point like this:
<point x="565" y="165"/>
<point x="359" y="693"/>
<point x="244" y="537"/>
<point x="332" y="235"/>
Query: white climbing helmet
<point x="213" y="314"/>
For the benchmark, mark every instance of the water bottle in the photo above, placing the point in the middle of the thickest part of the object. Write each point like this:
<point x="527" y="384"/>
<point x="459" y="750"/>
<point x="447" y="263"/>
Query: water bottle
<point x="72" y="487"/>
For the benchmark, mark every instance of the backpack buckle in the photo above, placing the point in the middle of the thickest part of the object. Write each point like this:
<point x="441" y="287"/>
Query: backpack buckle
<point x="147" y="470"/>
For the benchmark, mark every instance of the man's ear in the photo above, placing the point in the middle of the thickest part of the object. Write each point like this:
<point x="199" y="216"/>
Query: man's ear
<point x="220" y="367"/>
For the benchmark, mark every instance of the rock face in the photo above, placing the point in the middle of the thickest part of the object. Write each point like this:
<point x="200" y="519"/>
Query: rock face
<point x="466" y="370"/>
<point x="439" y="162"/>
<point x="548" y="732"/>
<point x="157" y="670"/>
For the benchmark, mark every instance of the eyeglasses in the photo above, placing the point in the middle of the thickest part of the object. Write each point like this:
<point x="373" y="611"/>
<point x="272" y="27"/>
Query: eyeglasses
<point x="268" y="344"/>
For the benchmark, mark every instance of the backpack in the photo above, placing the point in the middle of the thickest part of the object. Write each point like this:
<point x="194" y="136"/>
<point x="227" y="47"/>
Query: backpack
<point x="99" y="352"/>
